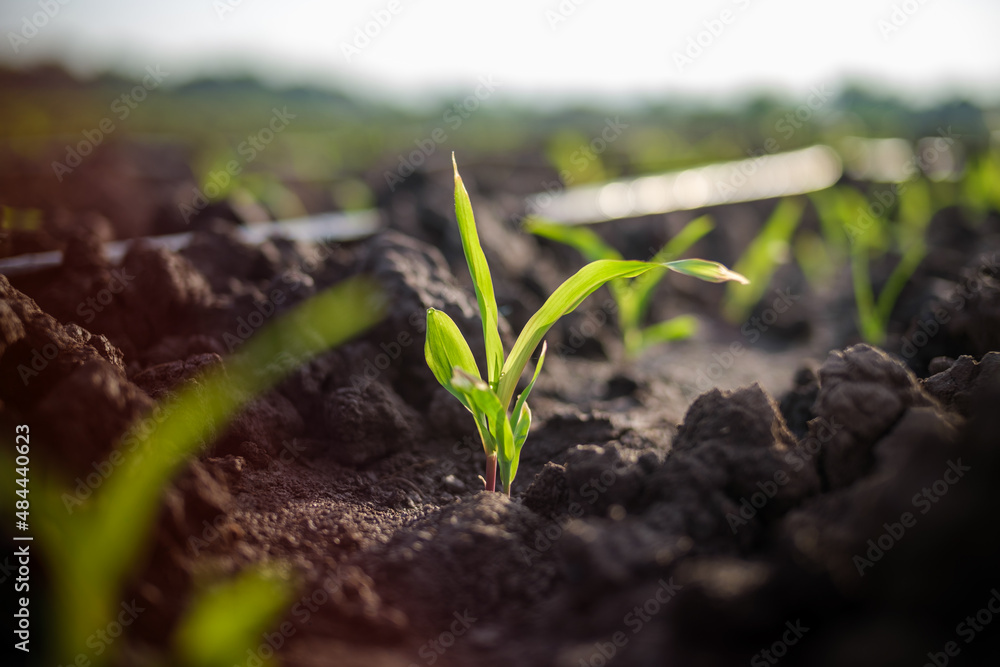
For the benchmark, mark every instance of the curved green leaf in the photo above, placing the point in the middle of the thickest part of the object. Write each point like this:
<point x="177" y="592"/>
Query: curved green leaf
<point x="522" y="427"/>
<point x="523" y="398"/>
<point x="593" y="248"/>
<point x="489" y="444"/>
<point x="484" y="405"/>
<point x="566" y="298"/>
<point x="479" y="393"/>
<point x="676" y="328"/>
<point x="508" y="457"/>
<point x="445" y="350"/>
<point x="581" y="239"/>
<point x="228" y="619"/>
<point x="643" y="286"/>
<point x="95" y="546"/>
<point x="684" y="239"/>
<point x="713" y="272"/>
<point x="762" y="258"/>
<point x="578" y="287"/>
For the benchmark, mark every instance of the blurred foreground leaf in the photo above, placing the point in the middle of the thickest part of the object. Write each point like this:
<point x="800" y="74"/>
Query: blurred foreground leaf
<point x="762" y="258"/>
<point x="94" y="548"/>
<point x="228" y="619"/>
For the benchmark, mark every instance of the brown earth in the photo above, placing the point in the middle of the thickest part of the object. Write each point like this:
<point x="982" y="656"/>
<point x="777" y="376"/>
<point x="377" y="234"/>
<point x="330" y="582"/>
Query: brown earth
<point x="700" y="505"/>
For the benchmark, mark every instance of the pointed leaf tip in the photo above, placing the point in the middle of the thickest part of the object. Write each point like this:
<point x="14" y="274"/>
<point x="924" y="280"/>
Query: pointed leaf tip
<point x="729" y="274"/>
<point x="706" y="270"/>
<point x="479" y="269"/>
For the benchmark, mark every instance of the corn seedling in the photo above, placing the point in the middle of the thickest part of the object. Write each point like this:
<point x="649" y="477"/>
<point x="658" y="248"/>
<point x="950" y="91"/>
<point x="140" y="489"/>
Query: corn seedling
<point x="450" y="358"/>
<point x="913" y="216"/>
<point x="762" y="257"/>
<point x="979" y="190"/>
<point x="865" y="230"/>
<point x="815" y="259"/>
<point x="632" y="296"/>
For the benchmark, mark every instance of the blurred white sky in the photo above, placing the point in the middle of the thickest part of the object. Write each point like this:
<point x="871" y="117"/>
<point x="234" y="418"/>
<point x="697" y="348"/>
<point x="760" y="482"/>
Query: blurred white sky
<point x="603" y="47"/>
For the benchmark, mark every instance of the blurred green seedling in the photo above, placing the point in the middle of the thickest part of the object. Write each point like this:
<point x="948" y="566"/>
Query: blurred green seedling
<point x="862" y="230"/>
<point x="768" y="250"/>
<point x="978" y="187"/>
<point x="633" y="296"/>
<point x="453" y="365"/>
<point x="94" y="544"/>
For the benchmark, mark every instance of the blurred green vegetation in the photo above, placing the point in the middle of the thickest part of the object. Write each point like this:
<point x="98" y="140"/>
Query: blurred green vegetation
<point x="980" y="189"/>
<point x="228" y="618"/>
<point x="633" y="296"/>
<point x="768" y="251"/>
<point x="337" y="136"/>
<point x="94" y="546"/>
<point x="862" y="228"/>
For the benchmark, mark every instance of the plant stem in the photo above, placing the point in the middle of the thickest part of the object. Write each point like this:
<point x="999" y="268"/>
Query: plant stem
<point x="491" y="472"/>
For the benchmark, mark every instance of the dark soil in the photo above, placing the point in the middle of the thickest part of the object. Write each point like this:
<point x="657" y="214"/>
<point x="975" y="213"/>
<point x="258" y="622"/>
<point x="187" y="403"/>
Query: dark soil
<point x="701" y="505"/>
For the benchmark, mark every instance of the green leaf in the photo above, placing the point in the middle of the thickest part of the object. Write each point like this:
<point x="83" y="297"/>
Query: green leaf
<point x="523" y="398"/>
<point x="229" y="618"/>
<point x="481" y="279"/>
<point x="522" y="427"/>
<point x="583" y="240"/>
<point x="815" y="259"/>
<point x="845" y="208"/>
<point x="762" y="257"/>
<point x="897" y="280"/>
<point x="475" y="395"/>
<point x="829" y="210"/>
<point x="915" y="211"/>
<point x="566" y="297"/>
<point x="713" y="272"/>
<point x="478" y="392"/>
<point x="676" y="328"/>
<point x="687" y="237"/>
<point x="483" y="426"/>
<point x="869" y="324"/>
<point x="593" y="248"/>
<point x="507" y="456"/>
<point x="507" y="439"/>
<point x="508" y="471"/>
<point x="505" y="443"/>
<point x="633" y="297"/>
<point x="95" y="547"/>
<point x="445" y="350"/>
<point x="130" y="499"/>
<point x="642" y="287"/>
<point x="578" y="287"/>
<point x="499" y="437"/>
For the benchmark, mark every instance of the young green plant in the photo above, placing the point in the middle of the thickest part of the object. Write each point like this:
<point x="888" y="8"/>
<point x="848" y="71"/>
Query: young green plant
<point x="632" y="296"/>
<point x="95" y="542"/>
<point x="767" y="251"/>
<point x="865" y="232"/>
<point x="451" y="361"/>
